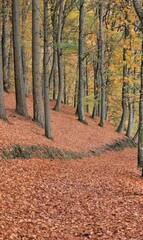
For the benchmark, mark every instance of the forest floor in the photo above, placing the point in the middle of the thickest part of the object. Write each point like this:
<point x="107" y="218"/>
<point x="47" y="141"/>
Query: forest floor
<point x="95" y="197"/>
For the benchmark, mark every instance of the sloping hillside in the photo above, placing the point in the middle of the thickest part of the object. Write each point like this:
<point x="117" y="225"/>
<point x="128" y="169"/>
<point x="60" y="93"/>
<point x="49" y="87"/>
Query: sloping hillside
<point x="96" y="198"/>
<point x="68" y="133"/>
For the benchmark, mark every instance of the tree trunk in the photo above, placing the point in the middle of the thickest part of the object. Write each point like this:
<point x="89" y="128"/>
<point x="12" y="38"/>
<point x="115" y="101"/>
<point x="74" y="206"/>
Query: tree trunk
<point x="54" y="60"/>
<point x="23" y="47"/>
<point x="6" y="8"/>
<point x="10" y="59"/>
<point x="131" y="119"/>
<point x="75" y="93"/>
<point x="2" y="104"/>
<point x="124" y="109"/>
<point x="54" y="84"/>
<point x="121" y="126"/>
<point x="80" y="107"/>
<point x="65" y="85"/>
<point x="52" y="78"/>
<point x="46" y="77"/>
<point x="19" y="83"/>
<point x="60" y="58"/>
<point x="98" y="75"/>
<point x="139" y="10"/>
<point x="135" y="138"/>
<point x="86" y="88"/>
<point x="95" y="68"/>
<point x="101" y="66"/>
<point x="36" y="76"/>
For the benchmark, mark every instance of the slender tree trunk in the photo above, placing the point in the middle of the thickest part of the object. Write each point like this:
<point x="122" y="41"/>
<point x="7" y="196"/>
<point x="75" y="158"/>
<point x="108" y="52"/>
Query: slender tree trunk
<point x="95" y="107"/>
<point x="46" y="77"/>
<point x="80" y="107"/>
<point x="124" y="109"/>
<point x="19" y="83"/>
<point x="2" y="104"/>
<point x="86" y="88"/>
<point x="54" y="84"/>
<point x="36" y="76"/>
<point x="75" y="93"/>
<point x="139" y="10"/>
<point x="23" y="47"/>
<point x="54" y="60"/>
<point x="121" y="126"/>
<point x="101" y="67"/>
<point x="75" y="100"/>
<point x="60" y="58"/>
<point x="6" y="7"/>
<point x="135" y="138"/>
<point x="68" y="94"/>
<point x="97" y="75"/>
<point x="65" y="85"/>
<point x="131" y="119"/>
<point x="130" y="106"/>
<point x="106" y="97"/>
<point x="10" y="59"/>
<point x="52" y="78"/>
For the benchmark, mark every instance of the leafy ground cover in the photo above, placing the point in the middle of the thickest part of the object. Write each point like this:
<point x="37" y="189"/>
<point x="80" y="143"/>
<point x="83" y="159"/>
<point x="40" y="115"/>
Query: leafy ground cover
<point x="92" y="198"/>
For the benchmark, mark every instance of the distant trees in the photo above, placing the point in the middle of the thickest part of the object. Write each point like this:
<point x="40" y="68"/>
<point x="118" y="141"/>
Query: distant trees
<point x="62" y="9"/>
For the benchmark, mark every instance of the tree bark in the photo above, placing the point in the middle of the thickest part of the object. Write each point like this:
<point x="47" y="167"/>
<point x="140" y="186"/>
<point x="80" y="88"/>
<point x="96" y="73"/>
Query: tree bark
<point x="80" y="107"/>
<point x="10" y="53"/>
<point x="2" y="103"/>
<point x="121" y="126"/>
<point x="96" y="93"/>
<point x="38" y="115"/>
<point x="21" y="107"/>
<point x="86" y="88"/>
<point x="139" y="10"/>
<point x="6" y="7"/>
<point x="65" y="85"/>
<point x="23" y="53"/>
<point x="75" y="94"/>
<point x="46" y="75"/>
<point x="54" y="60"/>
<point x="101" y="66"/>
<point x="131" y="118"/>
<point x="135" y="138"/>
<point x="60" y="57"/>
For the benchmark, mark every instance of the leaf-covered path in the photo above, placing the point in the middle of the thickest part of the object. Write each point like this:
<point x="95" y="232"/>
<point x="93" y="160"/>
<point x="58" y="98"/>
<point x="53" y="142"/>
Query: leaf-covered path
<point x="95" y="198"/>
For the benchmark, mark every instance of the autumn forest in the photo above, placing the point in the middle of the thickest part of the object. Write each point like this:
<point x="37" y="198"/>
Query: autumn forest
<point x="71" y="119"/>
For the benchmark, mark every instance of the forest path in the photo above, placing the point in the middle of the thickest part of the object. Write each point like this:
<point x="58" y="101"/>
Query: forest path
<point x="95" y="198"/>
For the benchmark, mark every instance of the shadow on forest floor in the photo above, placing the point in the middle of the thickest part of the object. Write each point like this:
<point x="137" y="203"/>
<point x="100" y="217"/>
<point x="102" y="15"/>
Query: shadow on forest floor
<point x="28" y="152"/>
